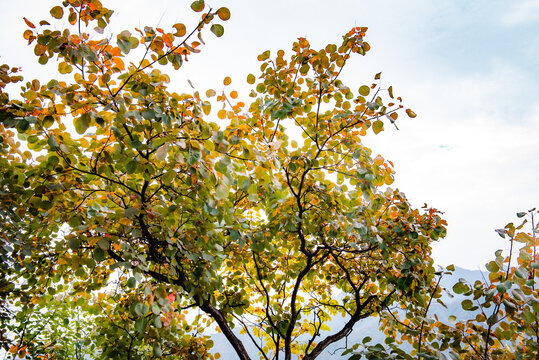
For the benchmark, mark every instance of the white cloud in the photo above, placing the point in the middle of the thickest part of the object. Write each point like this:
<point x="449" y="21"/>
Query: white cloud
<point x="471" y="153"/>
<point x="523" y="12"/>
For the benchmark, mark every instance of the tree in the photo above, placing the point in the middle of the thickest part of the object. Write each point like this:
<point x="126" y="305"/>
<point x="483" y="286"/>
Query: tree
<point x="506" y="306"/>
<point x="275" y="220"/>
<point x="503" y="310"/>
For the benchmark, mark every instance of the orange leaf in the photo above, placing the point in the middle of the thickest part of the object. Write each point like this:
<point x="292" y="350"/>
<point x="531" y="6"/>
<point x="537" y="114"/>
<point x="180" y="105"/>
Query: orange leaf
<point x="227" y="81"/>
<point x="29" y="23"/>
<point x="410" y="113"/>
<point x="234" y="94"/>
<point x="119" y="63"/>
<point x="26" y="35"/>
<point x="180" y="29"/>
<point x="167" y="40"/>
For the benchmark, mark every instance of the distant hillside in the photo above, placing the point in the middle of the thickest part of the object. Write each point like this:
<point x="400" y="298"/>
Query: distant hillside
<point x="369" y="326"/>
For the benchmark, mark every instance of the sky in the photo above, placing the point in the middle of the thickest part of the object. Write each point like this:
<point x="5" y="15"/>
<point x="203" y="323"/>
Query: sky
<point x="468" y="68"/>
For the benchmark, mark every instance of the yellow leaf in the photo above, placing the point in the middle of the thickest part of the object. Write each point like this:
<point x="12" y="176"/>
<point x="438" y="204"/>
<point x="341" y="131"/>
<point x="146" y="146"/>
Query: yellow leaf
<point x="180" y="29"/>
<point x="223" y="13"/>
<point x="377" y="126"/>
<point x="206" y="107"/>
<point x="221" y="114"/>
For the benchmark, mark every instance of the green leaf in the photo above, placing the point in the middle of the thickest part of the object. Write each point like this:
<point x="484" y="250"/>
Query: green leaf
<point x="221" y="192"/>
<point x="521" y="214"/>
<point x="492" y="267"/>
<point x="157" y="321"/>
<point x="194" y="156"/>
<point x="131" y="212"/>
<point x="74" y="243"/>
<point x="217" y="29"/>
<point x="23" y="125"/>
<point x="131" y="166"/>
<point x="493" y="319"/>
<point x="519" y="294"/>
<point x="57" y="12"/>
<point x="157" y="352"/>
<point x="377" y="126"/>
<point x="87" y="53"/>
<point x="48" y="121"/>
<point x="131" y="282"/>
<point x="521" y="273"/>
<point x="467" y="304"/>
<point x="82" y="123"/>
<point x="198" y="5"/>
<point x="99" y="254"/>
<point x="500" y="232"/>
<point x="140" y="324"/>
<point x="234" y="234"/>
<point x="124" y="45"/>
<point x="364" y="90"/>
<point x="52" y="142"/>
<point x="460" y="288"/>
<point x="222" y="165"/>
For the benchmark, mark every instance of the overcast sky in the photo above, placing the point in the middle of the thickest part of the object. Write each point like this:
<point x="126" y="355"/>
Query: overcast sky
<point x="468" y="68"/>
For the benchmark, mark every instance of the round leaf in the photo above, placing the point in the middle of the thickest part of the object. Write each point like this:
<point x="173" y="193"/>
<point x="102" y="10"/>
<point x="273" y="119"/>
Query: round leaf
<point x="217" y="29"/>
<point x="364" y="90"/>
<point x="223" y="13"/>
<point x="198" y="5"/>
<point x="180" y="29"/>
<point x="57" y="12"/>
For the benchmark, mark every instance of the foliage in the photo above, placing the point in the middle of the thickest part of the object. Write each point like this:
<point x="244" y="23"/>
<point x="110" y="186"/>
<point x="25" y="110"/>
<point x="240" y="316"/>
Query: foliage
<point x="503" y="321"/>
<point x="506" y="305"/>
<point x="131" y="206"/>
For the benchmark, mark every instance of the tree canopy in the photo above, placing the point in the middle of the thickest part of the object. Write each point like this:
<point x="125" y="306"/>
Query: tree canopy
<point x="138" y="204"/>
